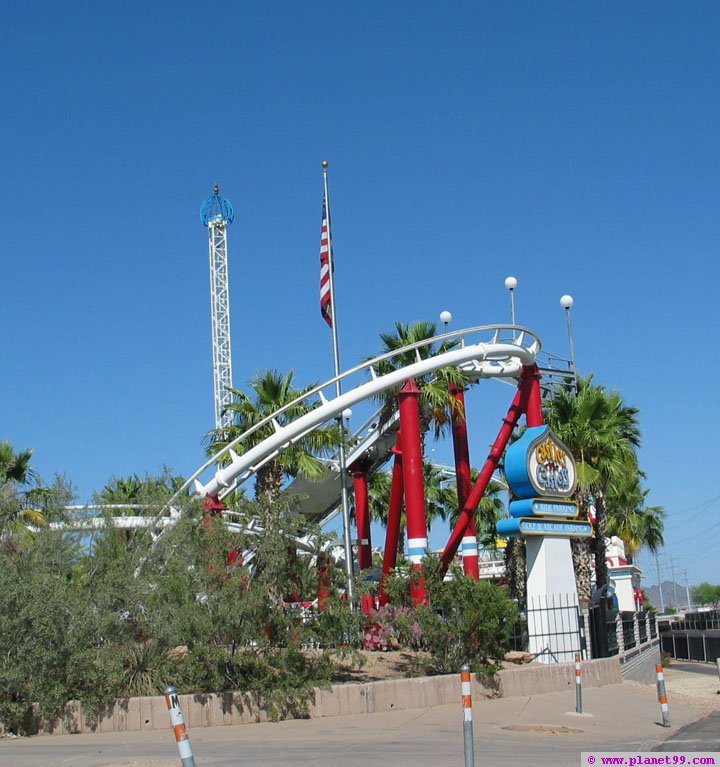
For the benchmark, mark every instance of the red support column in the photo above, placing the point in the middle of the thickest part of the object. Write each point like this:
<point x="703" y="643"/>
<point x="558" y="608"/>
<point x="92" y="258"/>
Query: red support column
<point x="213" y="506"/>
<point x="517" y="408"/>
<point x="468" y="546"/>
<point x="392" y="533"/>
<point x="409" y="398"/>
<point x="534" y="414"/>
<point x="362" y="514"/>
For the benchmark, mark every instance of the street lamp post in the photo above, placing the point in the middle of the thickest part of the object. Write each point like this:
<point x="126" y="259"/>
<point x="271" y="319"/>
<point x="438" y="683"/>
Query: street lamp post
<point x="511" y="284"/>
<point x="445" y="318"/>
<point x="347" y="541"/>
<point x="567" y="302"/>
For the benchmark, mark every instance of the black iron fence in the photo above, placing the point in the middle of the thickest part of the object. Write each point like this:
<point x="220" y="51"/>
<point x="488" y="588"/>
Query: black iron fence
<point x="552" y="629"/>
<point x="704" y="621"/>
<point x="701" y="646"/>
<point x="694" y="637"/>
<point x="555" y="628"/>
<point x="614" y="633"/>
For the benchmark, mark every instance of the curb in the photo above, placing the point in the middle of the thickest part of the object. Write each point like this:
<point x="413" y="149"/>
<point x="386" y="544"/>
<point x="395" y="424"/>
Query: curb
<point x="233" y="708"/>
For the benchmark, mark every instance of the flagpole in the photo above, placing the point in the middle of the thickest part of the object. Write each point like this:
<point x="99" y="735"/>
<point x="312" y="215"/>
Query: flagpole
<point x="338" y="391"/>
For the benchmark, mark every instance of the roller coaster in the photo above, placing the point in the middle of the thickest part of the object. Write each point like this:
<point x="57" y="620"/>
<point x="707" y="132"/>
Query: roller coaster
<point x="508" y="353"/>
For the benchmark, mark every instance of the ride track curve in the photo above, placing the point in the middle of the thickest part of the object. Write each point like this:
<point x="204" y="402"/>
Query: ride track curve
<point x="503" y="353"/>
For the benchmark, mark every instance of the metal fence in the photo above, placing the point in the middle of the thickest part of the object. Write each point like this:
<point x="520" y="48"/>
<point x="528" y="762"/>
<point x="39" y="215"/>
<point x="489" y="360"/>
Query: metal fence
<point x="695" y="636"/>
<point x="552" y="629"/>
<point x="703" y="621"/>
<point x="701" y="646"/>
<point x="614" y="633"/>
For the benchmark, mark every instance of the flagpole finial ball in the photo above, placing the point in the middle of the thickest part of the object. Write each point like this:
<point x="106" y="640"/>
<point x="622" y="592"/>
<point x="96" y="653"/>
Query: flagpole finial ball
<point x="325" y="164"/>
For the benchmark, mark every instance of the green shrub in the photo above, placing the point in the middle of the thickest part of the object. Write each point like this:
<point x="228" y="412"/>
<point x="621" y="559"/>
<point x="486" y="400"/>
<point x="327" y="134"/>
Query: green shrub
<point x="466" y="620"/>
<point x="123" y="617"/>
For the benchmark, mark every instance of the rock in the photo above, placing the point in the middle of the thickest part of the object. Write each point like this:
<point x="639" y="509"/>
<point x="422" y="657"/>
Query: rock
<point x="178" y="653"/>
<point x="518" y="657"/>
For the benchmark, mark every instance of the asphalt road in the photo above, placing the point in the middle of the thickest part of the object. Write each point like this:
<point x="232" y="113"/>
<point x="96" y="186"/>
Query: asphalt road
<point x="703" y="735"/>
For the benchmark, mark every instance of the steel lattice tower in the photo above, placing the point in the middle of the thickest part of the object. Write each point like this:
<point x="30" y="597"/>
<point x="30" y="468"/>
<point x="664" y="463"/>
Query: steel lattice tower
<point x="217" y="214"/>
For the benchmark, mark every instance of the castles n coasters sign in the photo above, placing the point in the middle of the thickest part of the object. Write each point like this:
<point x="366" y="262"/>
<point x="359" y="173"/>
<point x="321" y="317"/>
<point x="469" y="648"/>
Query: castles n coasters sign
<point x="539" y="465"/>
<point x="541" y="472"/>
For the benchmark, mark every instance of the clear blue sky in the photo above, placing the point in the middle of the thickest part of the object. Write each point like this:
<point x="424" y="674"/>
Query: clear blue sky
<point x="573" y="146"/>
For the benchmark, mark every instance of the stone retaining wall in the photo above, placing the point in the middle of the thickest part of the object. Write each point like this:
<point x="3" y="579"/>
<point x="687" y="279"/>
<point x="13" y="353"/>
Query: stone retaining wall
<point x="538" y="678"/>
<point x="209" y="710"/>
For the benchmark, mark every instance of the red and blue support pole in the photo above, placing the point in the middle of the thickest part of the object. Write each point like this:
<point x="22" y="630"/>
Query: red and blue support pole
<point x="359" y="471"/>
<point x="468" y="544"/>
<point x="392" y="534"/>
<point x="529" y="384"/>
<point x="413" y="479"/>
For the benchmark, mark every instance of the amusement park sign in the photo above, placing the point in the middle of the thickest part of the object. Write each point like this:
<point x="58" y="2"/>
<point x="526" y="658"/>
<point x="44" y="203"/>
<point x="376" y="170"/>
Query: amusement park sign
<point x="541" y="473"/>
<point x="565" y="528"/>
<point x="543" y="507"/>
<point x="539" y="465"/>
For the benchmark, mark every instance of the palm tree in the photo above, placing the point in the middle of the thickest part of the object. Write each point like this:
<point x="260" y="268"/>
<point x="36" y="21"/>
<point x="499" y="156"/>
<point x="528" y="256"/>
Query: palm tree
<point x="15" y="466"/>
<point x="270" y="391"/>
<point x="515" y="569"/>
<point x="628" y="517"/>
<point x="489" y="510"/>
<point x="134" y="492"/>
<point x="435" y="399"/>
<point x="602" y="434"/>
<point x="16" y="473"/>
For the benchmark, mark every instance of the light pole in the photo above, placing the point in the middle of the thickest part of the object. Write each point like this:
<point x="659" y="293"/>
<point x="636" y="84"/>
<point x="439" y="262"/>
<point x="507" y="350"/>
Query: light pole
<point x="511" y="284"/>
<point x="567" y="302"/>
<point x="347" y="541"/>
<point x="446" y="319"/>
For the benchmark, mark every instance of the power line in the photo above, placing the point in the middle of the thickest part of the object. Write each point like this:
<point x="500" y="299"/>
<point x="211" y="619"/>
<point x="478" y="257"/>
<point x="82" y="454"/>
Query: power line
<point x="702" y="507"/>
<point x="694" y="535"/>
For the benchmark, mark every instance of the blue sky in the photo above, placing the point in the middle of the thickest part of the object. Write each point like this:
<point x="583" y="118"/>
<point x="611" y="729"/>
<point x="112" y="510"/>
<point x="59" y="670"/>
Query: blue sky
<point x="572" y="146"/>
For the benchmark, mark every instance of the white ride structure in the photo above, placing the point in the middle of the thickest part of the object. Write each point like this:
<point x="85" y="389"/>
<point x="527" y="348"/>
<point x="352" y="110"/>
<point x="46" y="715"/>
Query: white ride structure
<point x="498" y="352"/>
<point x="217" y="214"/>
<point x="487" y="351"/>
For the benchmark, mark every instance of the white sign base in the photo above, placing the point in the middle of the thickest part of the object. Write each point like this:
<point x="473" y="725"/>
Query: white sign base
<point x="551" y="600"/>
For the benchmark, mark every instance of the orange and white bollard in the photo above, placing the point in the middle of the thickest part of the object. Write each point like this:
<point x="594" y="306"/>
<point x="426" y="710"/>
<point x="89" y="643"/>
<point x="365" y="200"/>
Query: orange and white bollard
<point x="178" y="725"/>
<point x="578" y="685"/>
<point x="466" y="689"/>
<point x="662" y="695"/>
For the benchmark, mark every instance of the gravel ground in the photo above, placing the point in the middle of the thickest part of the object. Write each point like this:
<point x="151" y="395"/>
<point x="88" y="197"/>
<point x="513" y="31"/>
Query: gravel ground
<point x="695" y="684"/>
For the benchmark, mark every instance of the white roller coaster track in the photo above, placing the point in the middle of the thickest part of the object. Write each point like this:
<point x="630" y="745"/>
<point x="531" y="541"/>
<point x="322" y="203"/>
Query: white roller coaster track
<point x="502" y="355"/>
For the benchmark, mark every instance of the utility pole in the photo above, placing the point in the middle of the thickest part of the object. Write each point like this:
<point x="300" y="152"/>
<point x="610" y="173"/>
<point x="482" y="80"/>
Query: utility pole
<point x="687" y="591"/>
<point x="662" y="601"/>
<point x="672" y="571"/>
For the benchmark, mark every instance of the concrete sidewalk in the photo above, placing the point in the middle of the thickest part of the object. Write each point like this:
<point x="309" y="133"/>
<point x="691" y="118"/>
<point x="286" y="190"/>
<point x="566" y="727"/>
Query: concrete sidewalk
<point x="543" y="731"/>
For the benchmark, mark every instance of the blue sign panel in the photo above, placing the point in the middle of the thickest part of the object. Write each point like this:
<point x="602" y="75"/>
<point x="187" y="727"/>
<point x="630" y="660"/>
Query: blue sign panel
<point x="538" y="464"/>
<point x="523" y="526"/>
<point x="543" y="507"/>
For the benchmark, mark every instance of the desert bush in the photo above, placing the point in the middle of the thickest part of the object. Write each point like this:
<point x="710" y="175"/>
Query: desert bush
<point x="115" y="615"/>
<point x="465" y="620"/>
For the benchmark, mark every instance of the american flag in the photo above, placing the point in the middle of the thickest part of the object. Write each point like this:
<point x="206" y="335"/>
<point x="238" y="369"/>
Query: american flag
<point x="326" y="307"/>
